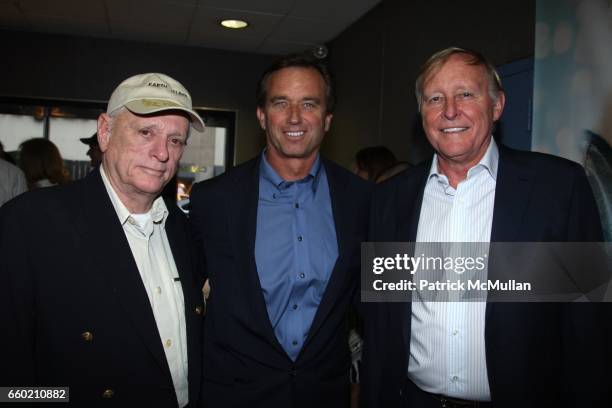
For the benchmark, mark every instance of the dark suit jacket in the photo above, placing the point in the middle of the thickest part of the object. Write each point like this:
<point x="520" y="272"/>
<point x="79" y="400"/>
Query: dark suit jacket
<point x="244" y="364"/>
<point x="66" y="269"/>
<point x="537" y="354"/>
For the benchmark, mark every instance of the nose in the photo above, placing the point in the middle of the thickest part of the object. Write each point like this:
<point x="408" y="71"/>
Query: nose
<point x="450" y="109"/>
<point x="295" y="115"/>
<point x="160" y="149"/>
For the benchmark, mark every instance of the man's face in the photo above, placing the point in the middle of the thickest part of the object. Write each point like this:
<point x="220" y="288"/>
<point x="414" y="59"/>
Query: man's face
<point x="141" y="153"/>
<point x="458" y="112"/>
<point x="294" y="116"/>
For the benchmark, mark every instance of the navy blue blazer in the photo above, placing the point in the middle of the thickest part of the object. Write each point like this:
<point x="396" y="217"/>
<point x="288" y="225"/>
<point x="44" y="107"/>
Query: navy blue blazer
<point x="66" y="269"/>
<point x="244" y="364"/>
<point x="546" y="354"/>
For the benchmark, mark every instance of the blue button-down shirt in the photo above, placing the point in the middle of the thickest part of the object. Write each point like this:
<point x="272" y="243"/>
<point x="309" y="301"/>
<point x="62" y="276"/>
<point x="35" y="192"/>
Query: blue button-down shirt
<point x="295" y="250"/>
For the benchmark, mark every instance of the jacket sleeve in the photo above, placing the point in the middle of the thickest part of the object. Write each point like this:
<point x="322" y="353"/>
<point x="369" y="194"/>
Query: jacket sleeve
<point x="17" y="299"/>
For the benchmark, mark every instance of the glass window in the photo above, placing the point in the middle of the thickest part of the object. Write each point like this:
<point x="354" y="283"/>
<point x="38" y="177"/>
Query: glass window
<point x="15" y="129"/>
<point x="66" y="132"/>
<point x="203" y="158"/>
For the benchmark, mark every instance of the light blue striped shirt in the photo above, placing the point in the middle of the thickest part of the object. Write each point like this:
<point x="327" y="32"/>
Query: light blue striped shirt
<point x="447" y="346"/>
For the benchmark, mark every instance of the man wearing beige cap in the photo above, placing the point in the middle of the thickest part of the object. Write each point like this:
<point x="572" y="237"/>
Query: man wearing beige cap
<point x="99" y="285"/>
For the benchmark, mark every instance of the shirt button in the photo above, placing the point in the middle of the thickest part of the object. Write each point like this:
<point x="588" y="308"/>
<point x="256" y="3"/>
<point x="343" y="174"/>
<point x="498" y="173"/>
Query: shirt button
<point x="455" y="378"/>
<point x="297" y="205"/>
<point x="294" y="342"/>
<point x="300" y="238"/>
<point x="294" y="307"/>
<point x="302" y="275"/>
<point x="274" y="195"/>
<point x="131" y="220"/>
<point x="158" y="290"/>
<point x="455" y="332"/>
<point x="168" y="343"/>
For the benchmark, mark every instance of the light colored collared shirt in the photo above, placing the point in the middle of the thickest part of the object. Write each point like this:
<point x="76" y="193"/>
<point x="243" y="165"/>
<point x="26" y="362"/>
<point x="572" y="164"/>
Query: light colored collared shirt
<point x="149" y="244"/>
<point x="447" y="345"/>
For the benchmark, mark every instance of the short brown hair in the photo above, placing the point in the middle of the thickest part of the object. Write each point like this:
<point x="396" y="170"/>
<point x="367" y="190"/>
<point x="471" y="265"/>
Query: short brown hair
<point x="298" y="61"/>
<point x="437" y="60"/>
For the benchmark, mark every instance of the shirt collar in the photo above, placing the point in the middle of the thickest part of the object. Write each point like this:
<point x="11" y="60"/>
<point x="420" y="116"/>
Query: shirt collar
<point x="489" y="161"/>
<point x="269" y="174"/>
<point x="158" y="211"/>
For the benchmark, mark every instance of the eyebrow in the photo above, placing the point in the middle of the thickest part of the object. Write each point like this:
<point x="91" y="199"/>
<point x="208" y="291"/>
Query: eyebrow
<point x="304" y="99"/>
<point x="461" y="87"/>
<point x="137" y="126"/>
<point x="155" y="127"/>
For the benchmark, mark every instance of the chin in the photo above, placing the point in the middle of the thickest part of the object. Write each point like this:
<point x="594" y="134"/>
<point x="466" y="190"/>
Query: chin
<point x="301" y="152"/>
<point x="458" y="147"/>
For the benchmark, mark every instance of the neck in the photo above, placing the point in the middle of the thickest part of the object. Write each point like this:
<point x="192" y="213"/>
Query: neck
<point x="290" y="168"/>
<point x="456" y="169"/>
<point x="135" y="205"/>
<point x="135" y="201"/>
<point x="456" y="172"/>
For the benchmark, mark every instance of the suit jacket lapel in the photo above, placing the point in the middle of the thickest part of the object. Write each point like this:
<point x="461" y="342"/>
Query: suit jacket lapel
<point x="243" y="207"/>
<point x="179" y="247"/>
<point x="191" y="284"/>
<point x="99" y="226"/>
<point x="341" y="209"/>
<point x="409" y="202"/>
<point x="409" y="205"/>
<point x="512" y="190"/>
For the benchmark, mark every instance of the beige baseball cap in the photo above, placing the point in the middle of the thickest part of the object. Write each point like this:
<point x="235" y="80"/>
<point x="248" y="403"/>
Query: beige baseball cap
<point x="153" y="92"/>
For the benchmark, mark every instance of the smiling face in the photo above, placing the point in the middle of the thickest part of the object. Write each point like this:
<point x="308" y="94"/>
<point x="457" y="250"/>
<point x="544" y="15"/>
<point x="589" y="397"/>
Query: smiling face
<point x="141" y="154"/>
<point x="458" y="112"/>
<point x="294" y="116"/>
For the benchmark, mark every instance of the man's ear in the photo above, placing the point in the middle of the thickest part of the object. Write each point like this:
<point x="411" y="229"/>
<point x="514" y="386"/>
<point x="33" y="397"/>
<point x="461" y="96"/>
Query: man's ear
<point x="498" y="107"/>
<point x="328" y="119"/>
<point x="104" y="131"/>
<point x="261" y="117"/>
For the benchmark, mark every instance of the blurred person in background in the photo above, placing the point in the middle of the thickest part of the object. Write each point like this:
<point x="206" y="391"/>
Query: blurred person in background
<point x="391" y="171"/>
<point x="12" y="180"/>
<point x="94" y="152"/>
<point x="6" y="156"/>
<point x="42" y="163"/>
<point x="370" y="161"/>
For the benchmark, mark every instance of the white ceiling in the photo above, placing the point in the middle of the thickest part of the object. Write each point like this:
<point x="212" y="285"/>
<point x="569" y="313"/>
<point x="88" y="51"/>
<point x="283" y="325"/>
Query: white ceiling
<point x="276" y="26"/>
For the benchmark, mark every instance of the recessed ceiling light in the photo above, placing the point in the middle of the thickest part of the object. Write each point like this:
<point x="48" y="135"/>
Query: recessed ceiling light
<point x="234" y="24"/>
